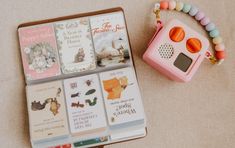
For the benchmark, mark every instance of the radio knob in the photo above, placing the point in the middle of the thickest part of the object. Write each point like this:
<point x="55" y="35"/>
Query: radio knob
<point x="177" y="34"/>
<point x="193" y="45"/>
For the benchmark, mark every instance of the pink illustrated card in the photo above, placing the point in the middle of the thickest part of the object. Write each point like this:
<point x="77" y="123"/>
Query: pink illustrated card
<point x="39" y="52"/>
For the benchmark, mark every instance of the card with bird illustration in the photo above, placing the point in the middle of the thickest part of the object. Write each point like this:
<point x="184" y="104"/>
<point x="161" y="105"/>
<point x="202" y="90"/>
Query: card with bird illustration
<point x="84" y="104"/>
<point x="110" y="39"/>
<point x="75" y="45"/>
<point x="121" y="96"/>
<point x="47" y="113"/>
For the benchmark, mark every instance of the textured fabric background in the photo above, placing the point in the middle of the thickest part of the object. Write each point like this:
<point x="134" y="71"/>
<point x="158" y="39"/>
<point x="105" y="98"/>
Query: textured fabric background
<point x="199" y="114"/>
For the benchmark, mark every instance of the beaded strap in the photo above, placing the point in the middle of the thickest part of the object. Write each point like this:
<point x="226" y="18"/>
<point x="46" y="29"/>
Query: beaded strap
<point x="204" y="21"/>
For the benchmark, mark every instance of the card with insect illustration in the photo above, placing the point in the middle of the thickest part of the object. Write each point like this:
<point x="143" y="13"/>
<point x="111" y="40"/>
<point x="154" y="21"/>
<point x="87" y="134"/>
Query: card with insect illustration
<point x="110" y="39"/>
<point x="75" y="45"/>
<point x="39" y="51"/>
<point x="121" y="96"/>
<point x="47" y="113"/>
<point x="85" y="104"/>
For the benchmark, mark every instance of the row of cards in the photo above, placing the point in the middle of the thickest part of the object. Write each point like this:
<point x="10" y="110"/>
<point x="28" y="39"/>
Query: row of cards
<point x="74" y="45"/>
<point x="93" y="103"/>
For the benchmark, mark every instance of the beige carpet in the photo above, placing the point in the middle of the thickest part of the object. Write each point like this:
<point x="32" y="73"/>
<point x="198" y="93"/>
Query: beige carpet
<point x="199" y="114"/>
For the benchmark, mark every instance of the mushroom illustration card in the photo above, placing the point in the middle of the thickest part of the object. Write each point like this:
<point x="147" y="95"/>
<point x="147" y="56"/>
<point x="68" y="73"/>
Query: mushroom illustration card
<point x="121" y="95"/>
<point x="47" y="113"/>
<point x="75" y="45"/>
<point x="39" y="51"/>
<point x="110" y="39"/>
<point x="85" y="104"/>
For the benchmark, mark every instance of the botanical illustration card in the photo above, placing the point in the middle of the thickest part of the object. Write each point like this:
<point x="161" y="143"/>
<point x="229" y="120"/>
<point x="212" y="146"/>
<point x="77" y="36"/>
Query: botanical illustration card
<point x="47" y="113"/>
<point x="75" y="45"/>
<point x="110" y="39"/>
<point x="39" y="51"/>
<point x="85" y="104"/>
<point x="122" y="96"/>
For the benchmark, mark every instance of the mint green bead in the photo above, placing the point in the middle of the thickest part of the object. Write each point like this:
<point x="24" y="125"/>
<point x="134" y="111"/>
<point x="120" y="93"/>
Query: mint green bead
<point x="186" y="8"/>
<point x="214" y="33"/>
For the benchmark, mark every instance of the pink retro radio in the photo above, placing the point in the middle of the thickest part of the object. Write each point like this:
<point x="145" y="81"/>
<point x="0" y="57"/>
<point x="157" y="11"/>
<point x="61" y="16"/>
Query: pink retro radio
<point x="177" y="51"/>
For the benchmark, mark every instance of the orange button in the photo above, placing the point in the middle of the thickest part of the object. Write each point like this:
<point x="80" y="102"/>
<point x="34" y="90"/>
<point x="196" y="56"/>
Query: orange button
<point x="193" y="45"/>
<point x="177" y="34"/>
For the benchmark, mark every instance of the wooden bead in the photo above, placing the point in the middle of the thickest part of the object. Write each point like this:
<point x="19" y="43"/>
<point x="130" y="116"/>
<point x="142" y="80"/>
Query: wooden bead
<point x="199" y="16"/>
<point x="193" y="11"/>
<point x="186" y="8"/>
<point x="179" y="6"/>
<point x="220" y="47"/>
<point x="171" y="5"/>
<point x="214" y="33"/>
<point x="164" y="5"/>
<point x="220" y="55"/>
<point x="217" y="40"/>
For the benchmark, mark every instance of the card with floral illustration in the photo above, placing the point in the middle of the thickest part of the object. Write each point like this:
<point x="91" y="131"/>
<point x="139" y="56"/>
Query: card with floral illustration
<point x="110" y="39"/>
<point x="121" y="96"/>
<point x="85" y="104"/>
<point x="39" y="51"/>
<point x="75" y="45"/>
<point x="47" y="113"/>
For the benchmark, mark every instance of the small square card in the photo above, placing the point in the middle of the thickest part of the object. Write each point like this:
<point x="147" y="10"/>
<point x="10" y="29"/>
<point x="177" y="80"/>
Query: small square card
<point x="75" y="45"/>
<point x="110" y="39"/>
<point x="39" y="51"/>
<point x="85" y="104"/>
<point x="47" y="113"/>
<point x="121" y="95"/>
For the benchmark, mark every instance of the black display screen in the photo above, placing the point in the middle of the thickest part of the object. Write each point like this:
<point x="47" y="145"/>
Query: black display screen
<point x="183" y="62"/>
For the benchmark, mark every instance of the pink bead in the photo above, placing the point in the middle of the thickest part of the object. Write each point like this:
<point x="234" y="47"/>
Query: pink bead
<point x="172" y="5"/>
<point x="220" y="47"/>
<point x="205" y="21"/>
<point x="199" y="16"/>
<point x="164" y="5"/>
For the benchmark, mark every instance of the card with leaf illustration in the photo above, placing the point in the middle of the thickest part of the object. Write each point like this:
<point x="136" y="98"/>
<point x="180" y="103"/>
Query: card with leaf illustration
<point x="47" y="113"/>
<point x="39" y="51"/>
<point x="75" y="45"/>
<point x="110" y="39"/>
<point x="121" y="96"/>
<point x="85" y="104"/>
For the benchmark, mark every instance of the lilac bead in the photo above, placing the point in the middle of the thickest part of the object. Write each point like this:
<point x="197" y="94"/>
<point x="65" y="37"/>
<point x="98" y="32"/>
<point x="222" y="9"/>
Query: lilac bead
<point x="200" y="15"/>
<point x="193" y="11"/>
<point x="205" y="21"/>
<point x="210" y="26"/>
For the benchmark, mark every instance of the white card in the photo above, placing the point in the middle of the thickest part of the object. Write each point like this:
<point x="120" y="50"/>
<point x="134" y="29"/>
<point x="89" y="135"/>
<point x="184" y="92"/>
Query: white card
<point x="84" y="104"/>
<point x="110" y="39"/>
<point x="122" y="97"/>
<point x="47" y="113"/>
<point x="75" y="45"/>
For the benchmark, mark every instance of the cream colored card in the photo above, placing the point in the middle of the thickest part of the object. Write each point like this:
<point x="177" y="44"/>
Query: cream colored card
<point x="85" y="104"/>
<point x="75" y="45"/>
<point x="110" y="39"/>
<point x="122" y="96"/>
<point x="47" y="113"/>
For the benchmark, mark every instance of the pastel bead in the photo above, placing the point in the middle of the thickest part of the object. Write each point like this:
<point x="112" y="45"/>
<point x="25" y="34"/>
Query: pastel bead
<point x="199" y="16"/>
<point x="171" y="5"/>
<point x="220" y="47"/>
<point x="186" y="8"/>
<point x="179" y="6"/>
<point x="193" y="11"/>
<point x="164" y="5"/>
<point x="220" y="55"/>
<point x="210" y="27"/>
<point x="205" y="21"/>
<point x="214" y="33"/>
<point x="217" y="40"/>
